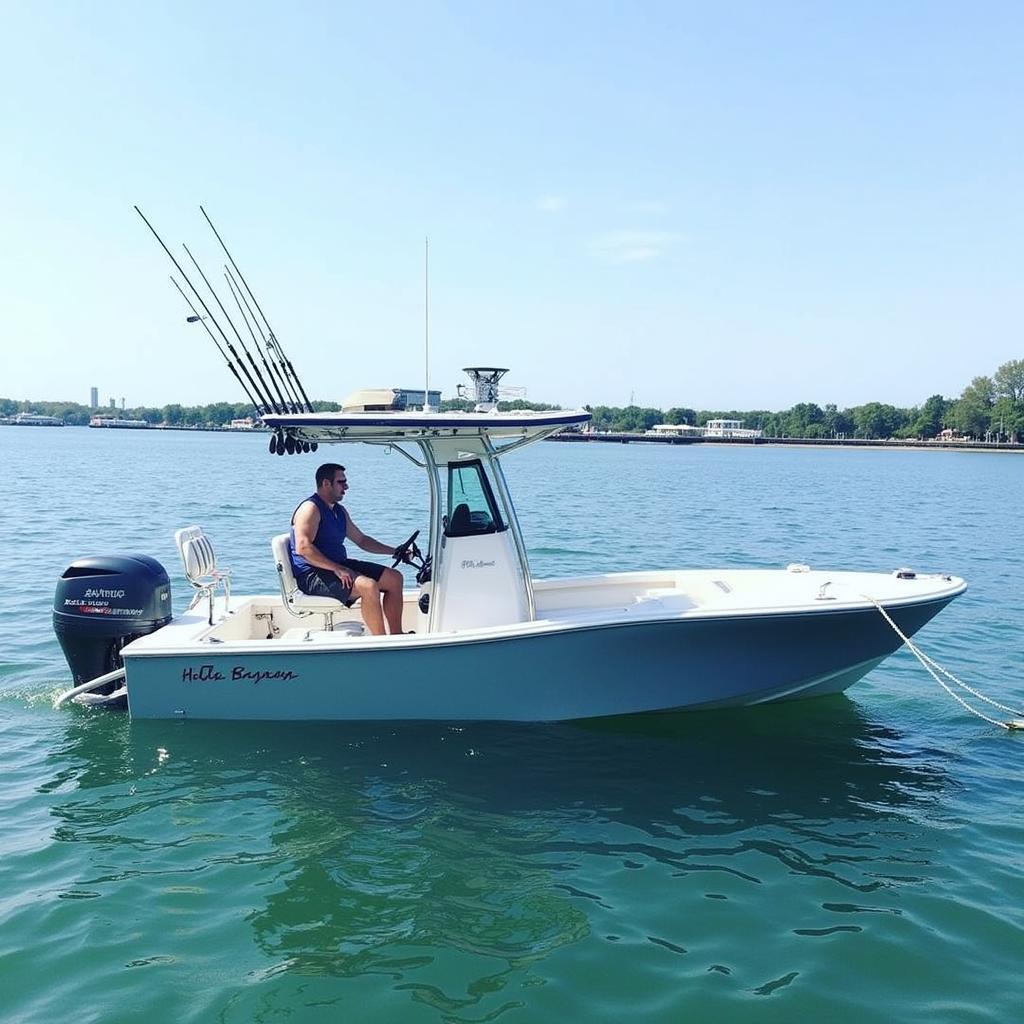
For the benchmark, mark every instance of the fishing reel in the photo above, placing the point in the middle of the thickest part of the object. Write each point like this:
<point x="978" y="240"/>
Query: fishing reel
<point x="285" y="443"/>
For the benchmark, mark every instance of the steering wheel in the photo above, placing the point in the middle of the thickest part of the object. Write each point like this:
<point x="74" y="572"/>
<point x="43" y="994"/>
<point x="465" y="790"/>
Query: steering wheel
<point x="406" y="551"/>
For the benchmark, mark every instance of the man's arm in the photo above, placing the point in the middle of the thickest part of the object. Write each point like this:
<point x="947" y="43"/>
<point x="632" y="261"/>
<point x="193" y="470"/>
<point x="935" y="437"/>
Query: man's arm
<point x="307" y="522"/>
<point x="366" y="542"/>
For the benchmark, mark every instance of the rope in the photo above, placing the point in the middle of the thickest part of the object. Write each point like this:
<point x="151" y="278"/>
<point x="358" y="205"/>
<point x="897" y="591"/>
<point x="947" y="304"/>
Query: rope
<point x="933" y="668"/>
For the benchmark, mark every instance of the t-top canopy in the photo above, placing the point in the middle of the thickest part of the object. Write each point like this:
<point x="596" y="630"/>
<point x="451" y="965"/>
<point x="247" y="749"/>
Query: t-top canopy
<point x="418" y="425"/>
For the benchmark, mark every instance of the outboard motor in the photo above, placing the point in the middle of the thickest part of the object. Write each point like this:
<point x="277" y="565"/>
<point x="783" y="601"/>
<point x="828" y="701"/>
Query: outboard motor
<point x="102" y="604"/>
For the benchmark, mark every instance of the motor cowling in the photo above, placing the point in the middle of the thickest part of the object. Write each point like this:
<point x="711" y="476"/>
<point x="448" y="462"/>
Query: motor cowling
<point x="103" y="603"/>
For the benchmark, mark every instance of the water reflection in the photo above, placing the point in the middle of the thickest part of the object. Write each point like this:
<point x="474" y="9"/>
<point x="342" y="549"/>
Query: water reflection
<point x="371" y="849"/>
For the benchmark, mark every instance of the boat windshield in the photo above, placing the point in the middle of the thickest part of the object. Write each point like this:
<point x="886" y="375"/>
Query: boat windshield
<point x="471" y="506"/>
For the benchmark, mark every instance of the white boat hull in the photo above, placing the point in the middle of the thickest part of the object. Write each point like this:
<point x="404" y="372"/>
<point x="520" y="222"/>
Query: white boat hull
<point x="709" y="640"/>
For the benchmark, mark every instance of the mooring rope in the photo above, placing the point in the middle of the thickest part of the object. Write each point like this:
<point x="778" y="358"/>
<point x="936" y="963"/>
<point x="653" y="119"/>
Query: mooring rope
<point x="933" y="668"/>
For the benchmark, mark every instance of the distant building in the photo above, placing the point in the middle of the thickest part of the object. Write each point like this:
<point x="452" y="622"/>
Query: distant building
<point x="94" y="398"/>
<point x="31" y="419"/>
<point x="113" y="404"/>
<point x="713" y="428"/>
<point x="413" y="399"/>
<point x="728" y="428"/>
<point x="246" y="423"/>
<point x="117" y="422"/>
<point x="674" y="430"/>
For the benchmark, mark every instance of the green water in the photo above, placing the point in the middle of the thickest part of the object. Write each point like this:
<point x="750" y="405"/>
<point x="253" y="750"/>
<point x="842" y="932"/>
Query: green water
<point x="853" y="859"/>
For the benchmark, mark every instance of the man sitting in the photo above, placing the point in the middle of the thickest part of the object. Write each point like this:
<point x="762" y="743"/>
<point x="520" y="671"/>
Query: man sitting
<point x="321" y="565"/>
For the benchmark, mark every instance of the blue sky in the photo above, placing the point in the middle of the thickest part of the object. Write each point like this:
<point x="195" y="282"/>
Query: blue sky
<point x="728" y="205"/>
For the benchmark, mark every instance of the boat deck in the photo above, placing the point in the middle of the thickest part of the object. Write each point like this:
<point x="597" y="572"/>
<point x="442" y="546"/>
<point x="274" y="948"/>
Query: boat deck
<point x="262" y="622"/>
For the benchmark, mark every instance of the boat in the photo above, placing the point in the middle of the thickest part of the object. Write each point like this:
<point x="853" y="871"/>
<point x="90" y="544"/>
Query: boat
<point x="117" y="423"/>
<point x="488" y="640"/>
<point x="31" y="419"/>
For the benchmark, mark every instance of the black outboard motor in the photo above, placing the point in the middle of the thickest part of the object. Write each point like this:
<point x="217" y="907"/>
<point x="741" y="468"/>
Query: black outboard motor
<point x="102" y="604"/>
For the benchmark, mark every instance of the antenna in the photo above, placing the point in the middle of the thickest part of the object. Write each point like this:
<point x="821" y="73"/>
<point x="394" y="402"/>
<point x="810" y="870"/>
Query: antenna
<point x="426" y="324"/>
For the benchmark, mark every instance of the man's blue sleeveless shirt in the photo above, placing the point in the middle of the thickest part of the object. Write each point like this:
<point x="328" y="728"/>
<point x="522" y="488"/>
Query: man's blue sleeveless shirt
<point x="329" y="539"/>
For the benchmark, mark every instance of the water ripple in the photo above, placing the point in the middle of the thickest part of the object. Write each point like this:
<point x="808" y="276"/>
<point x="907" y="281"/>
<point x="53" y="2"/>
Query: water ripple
<point x="856" y="857"/>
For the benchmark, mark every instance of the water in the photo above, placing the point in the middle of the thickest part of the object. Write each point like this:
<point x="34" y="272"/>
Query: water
<point x="856" y="856"/>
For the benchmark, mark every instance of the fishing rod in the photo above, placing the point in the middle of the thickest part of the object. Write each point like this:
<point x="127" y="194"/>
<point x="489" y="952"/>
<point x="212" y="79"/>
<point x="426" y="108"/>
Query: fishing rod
<point x="285" y="361"/>
<point x="196" y="318"/>
<point x="263" y="405"/>
<point x="285" y="403"/>
<point x="241" y="341"/>
<point x="283" y="377"/>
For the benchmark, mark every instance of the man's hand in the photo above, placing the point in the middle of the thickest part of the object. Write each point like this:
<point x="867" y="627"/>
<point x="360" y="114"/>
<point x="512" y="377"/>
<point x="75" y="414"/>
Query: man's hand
<point x="345" y="576"/>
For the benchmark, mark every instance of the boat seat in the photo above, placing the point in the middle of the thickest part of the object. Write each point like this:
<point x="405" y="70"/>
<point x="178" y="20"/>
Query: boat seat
<point x="295" y="600"/>
<point x="200" y="564"/>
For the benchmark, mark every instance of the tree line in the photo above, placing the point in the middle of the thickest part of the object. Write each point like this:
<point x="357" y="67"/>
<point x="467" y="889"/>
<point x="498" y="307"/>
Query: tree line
<point x="989" y="408"/>
<point x="217" y="414"/>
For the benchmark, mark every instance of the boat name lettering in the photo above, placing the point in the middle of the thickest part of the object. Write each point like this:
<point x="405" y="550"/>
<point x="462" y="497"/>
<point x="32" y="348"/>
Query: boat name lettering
<point x="203" y="674"/>
<point x="469" y="563"/>
<point x="209" y="674"/>
<point x="257" y="676"/>
<point x="101" y="592"/>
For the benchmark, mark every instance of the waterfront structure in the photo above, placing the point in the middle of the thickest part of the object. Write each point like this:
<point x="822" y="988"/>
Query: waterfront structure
<point x="720" y="428"/>
<point x="667" y="431"/>
<point x="31" y="419"/>
<point x="413" y="398"/>
<point x="117" y="422"/>
<point x="728" y="428"/>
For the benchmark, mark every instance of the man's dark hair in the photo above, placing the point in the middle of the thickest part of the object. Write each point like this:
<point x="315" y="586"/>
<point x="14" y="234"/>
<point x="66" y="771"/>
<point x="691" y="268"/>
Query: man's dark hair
<point x="327" y="471"/>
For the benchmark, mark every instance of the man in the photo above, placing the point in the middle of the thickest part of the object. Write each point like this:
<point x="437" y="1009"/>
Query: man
<point x="321" y="565"/>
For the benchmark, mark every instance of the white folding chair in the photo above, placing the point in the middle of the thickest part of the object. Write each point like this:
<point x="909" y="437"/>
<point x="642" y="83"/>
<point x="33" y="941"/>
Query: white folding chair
<point x="200" y="562"/>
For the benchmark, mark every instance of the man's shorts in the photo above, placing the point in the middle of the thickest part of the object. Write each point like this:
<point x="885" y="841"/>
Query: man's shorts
<point x="323" y="583"/>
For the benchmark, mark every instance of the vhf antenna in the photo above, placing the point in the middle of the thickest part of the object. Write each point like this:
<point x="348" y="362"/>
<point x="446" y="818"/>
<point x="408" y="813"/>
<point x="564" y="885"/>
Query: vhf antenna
<point x="273" y="343"/>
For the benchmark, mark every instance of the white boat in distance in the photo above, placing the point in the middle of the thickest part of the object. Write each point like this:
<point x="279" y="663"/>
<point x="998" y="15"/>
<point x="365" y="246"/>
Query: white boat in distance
<point x="490" y="641"/>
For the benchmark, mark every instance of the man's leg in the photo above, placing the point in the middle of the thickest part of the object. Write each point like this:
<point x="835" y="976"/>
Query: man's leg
<point x="368" y="593"/>
<point x="391" y="584"/>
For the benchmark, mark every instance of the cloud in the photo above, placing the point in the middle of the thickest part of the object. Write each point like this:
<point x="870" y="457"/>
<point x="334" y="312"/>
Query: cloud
<point x="632" y="246"/>
<point x="551" y="204"/>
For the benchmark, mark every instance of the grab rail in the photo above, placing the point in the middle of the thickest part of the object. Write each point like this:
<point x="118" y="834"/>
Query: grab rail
<point x="92" y="684"/>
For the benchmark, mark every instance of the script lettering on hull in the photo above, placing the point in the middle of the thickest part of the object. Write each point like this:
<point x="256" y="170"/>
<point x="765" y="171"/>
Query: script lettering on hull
<point x="237" y="673"/>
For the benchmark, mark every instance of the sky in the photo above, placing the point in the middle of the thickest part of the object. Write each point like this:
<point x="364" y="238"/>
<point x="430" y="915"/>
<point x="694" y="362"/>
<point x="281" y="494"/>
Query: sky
<point x="735" y="205"/>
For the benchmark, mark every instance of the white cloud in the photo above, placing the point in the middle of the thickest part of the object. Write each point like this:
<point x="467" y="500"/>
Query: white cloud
<point x="551" y="204"/>
<point x="632" y="246"/>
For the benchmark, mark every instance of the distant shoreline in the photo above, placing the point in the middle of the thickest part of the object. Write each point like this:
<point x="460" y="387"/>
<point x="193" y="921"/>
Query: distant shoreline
<point x="626" y="438"/>
<point x="798" y="442"/>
